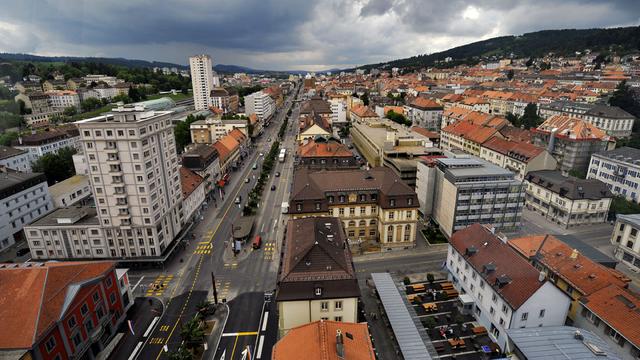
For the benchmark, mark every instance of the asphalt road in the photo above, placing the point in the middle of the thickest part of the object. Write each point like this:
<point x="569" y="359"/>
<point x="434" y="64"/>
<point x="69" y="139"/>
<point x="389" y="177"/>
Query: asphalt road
<point x="186" y="280"/>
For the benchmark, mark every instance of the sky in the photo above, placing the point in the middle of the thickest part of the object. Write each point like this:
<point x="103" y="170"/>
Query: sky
<point x="289" y="34"/>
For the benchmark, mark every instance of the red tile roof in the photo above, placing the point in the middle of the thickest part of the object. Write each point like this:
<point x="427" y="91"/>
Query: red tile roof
<point x="363" y="111"/>
<point x="426" y="133"/>
<point x="238" y="135"/>
<point x="582" y="273"/>
<point x="619" y="308"/>
<point x="189" y="181"/>
<point x="33" y="297"/>
<point x="521" y="150"/>
<point x="223" y="152"/>
<point x="472" y="132"/>
<point x="317" y="341"/>
<point x="570" y="127"/>
<point x="324" y="149"/>
<point x="425" y="104"/>
<point x="491" y="250"/>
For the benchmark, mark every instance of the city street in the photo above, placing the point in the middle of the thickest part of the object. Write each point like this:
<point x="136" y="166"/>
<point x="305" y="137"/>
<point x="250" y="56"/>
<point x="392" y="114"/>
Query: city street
<point x="186" y="280"/>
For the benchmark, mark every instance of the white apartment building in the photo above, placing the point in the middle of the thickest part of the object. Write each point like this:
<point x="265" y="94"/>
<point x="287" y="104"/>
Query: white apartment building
<point x="567" y="200"/>
<point x="332" y="292"/>
<point x="97" y="78"/>
<point x="106" y="92"/>
<point x="626" y="240"/>
<point x="71" y="191"/>
<point x="619" y="169"/>
<point x="424" y="113"/>
<point x="611" y="119"/>
<point x="133" y="171"/>
<point x="338" y="111"/>
<point x="23" y="198"/>
<point x="62" y="99"/>
<point x="201" y="80"/>
<point x="461" y="190"/>
<point x="47" y="142"/>
<point x="210" y="130"/>
<point x="507" y="292"/>
<point x="261" y="104"/>
<point x="15" y="159"/>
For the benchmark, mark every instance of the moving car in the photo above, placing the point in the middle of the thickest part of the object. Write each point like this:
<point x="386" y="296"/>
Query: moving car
<point x="247" y="180"/>
<point x="238" y="200"/>
<point x="277" y="173"/>
<point x="257" y="242"/>
<point x="255" y="166"/>
<point x="273" y="187"/>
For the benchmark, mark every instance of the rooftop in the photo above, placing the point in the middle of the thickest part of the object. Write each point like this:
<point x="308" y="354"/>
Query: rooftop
<point x="12" y="181"/>
<point x="522" y="277"/>
<point x="471" y="166"/>
<point x="623" y="154"/>
<point x="565" y="126"/>
<point x="7" y="152"/>
<point x="328" y="148"/>
<point x="318" y="341"/>
<point x="67" y="216"/>
<point x="560" y="343"/>
<point x="515" y="149"/>
<point x="69" y="185"/>
<point x="569" y="187"/>
<point x="189" y="181"/>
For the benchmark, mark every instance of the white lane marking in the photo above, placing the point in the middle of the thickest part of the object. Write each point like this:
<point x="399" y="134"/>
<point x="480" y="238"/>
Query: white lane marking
<point x="264" y="321"/>
<point x="223" y="354"/>
<point x="262" y="228"/>
<point x="136" y="285"/>
<point x="155" y="320"/>
<point x="135" y="350"/>
<point x="259" y="352"/>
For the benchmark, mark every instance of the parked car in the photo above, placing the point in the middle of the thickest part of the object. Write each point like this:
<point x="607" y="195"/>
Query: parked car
<point x="247" y="180"/>
<point x="277" y="173"/>
<point x="273" y="187"/>
<point x="238" y="200"/>
<point x="257" y="242"/>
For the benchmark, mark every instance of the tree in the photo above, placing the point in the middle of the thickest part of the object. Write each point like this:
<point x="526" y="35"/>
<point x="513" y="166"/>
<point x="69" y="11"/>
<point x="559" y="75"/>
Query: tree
<point x="23" y="108"/>
<point x="398" y="118"/>
<point x="182" y="132"/>
<point x="192" y="332"/>
<point x="204" y="307"/>
<point x="530" y="118"/>
<point x="626" y="99"/>
<point x="365" y="98"/>
<point x="90" y="104"/>
<point x="56" y="166"/>
<point x="182" y="353"/>
<point x="7" y="137"/>
<point x="70" y="111"/>
<point x="121" y="97"/>
<point x="510" y="74"/>
<point x="135" y="95"/>
<point x="9" y="120"/>
<point x="513" y="119"/>
<point x="529" y="62"/>
<point x="185" y="90"/>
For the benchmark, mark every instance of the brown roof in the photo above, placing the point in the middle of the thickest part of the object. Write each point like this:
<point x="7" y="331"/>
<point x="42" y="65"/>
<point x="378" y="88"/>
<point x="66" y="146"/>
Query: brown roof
<point x="582" y="273"/>
<point x="315" y="105"/>
<point x="40" y="138"/>
<point x="222" y="150"/>
<point x="425" y="104"/>
<point x="7" y="152"/>
<point x="317" y="341"/>
<point x="521" y="150"/>
<point x="619" y="308"/>
<point x="189" y="181"/>
<point x="570" y="127"/>
<point x="363" y="111"/>
<point x="34" y="297"/>
<point x="516" y="134"/>
<point x="238" y="135"/>
<point x="522" y="277"/>
<point x="229" y="142"/>
<point x="472" y="132"/>
<point x="324" y="149"/>
<point x="316" y="254"/>
<point x="426" y="133"/>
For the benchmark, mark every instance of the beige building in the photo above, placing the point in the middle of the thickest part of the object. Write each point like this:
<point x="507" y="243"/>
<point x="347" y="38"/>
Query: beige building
<point x="377" y="210"/>
<point x="626" y="240"/>
<point x="316" y="280"/>
<point x="212" y="129"/>
<point x="133" y="170"/>
<point x="567" y="200"/>
<point x="519" y="157"/>
<point x="201" y="80"/>
<point x="71" y="191"/>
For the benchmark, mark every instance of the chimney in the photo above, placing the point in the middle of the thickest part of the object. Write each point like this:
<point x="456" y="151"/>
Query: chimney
<point x="552" y="140"/>
<point x="339" y="344"/>
<point x="542" y="276"/>
<point x="574" y="254"/>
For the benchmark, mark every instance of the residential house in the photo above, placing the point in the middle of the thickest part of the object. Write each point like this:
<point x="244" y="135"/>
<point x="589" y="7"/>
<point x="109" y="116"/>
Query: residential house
<point x="612" y="313"/>
<point x="225" y="100"/>
<point x="507" y="291"/>
<point x="424" y="113"/>
<point x="46" y="142"/>
<point x="611" y="119"/>
<point x="312" y="127"/>
<point x="24" y="87"/>
<point x="62" y="99"/>
<point x="619" y="169"/>
<point x="517" y="156"/>
<point x="377" y="209"/>
<point x="359" y="114"/>
<point x="626" y="241"/>
<point x="24" y="197"/>
<point x="71" y="191"/>
<point x="571" y="141"/>
<point x="52" y="85"/>
<point x="61" y="310"/>
<point x="326" y="339"/>
<point x="15" y="159"/>
<point x="570" y="271"/>
<point x="567" y="200"/>
<point x="193" y="192"/>
<point x="316" y="279"/>
<point x="466" y="136"/>
<point x="326" y="153"/>
<point x="213" y="128"/>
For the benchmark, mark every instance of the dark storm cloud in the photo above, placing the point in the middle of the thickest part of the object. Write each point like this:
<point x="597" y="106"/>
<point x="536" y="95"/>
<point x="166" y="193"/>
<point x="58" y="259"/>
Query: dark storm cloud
<point x="289" y="33"/>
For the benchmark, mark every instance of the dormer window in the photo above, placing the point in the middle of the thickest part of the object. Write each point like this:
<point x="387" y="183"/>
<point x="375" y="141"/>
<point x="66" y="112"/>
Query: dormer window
<point x="392" y="202"/>
<point x="363" y="197"/>
<point x="410" y="201"/>
<point x="341" y="198"/>
<point x="299" y="207"/>
<point x="318" y="291"/>
<point x="331" y="199"/>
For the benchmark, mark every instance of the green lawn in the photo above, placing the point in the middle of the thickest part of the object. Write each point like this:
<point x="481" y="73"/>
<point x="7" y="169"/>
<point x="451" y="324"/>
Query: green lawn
<point x="177" y="97"/>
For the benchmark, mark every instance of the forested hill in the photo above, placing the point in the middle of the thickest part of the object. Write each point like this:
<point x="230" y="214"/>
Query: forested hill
<point x="535" y="44"/>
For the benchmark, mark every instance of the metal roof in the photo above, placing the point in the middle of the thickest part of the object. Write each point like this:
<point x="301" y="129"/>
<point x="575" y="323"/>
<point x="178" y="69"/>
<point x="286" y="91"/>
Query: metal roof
<point x="404" y="325"/>
<point x="559" y="343"/>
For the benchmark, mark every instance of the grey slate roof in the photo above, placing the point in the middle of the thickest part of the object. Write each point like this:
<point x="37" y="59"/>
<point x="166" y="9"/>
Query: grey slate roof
<point x="558" y="343"/>
<point x="624" y="154"/>
<point x="7" y="152"/>
<point x="568" y="186"/>
<point x="610" y="112"/>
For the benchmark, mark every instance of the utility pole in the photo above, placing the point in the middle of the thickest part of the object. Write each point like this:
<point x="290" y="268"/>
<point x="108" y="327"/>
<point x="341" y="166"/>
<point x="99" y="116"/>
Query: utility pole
<point x="215" y="291"/>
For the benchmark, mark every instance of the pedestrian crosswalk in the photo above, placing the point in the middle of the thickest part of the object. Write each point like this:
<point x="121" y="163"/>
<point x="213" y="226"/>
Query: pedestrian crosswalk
<point x="156" y="341"/>
<point x="223" y="286"/>
<point x="159" y="285"/>
<point x="164" y="328"/>
<point x="203" y="248"/>
<point x="268" y="251"/>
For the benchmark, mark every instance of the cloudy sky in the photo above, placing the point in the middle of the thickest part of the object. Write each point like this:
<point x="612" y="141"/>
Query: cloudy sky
<point x="287" y="34"/>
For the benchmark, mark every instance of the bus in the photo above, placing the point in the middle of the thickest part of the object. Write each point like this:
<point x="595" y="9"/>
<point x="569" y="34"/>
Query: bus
<point x="283" y="154"/>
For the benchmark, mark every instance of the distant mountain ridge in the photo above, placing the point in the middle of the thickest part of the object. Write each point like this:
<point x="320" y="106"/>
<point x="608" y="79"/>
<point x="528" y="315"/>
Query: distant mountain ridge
<point x="534" y="44"/>
<point x="133" y="63"/>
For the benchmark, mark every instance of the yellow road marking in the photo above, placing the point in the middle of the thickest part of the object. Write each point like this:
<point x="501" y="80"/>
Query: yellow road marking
<point x="234" y="347"/>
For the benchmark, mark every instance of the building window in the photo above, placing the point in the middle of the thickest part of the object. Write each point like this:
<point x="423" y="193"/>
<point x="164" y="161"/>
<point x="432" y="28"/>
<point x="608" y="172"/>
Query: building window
<point x="352" y="211"/>
<point x="494" y="298"/>
<point x="109" y="282"/>
<point x="341" y="211"/>
<point x="391" y="214"/>
<point x="318" y="291"/>
<point x="338" y="305"/>
<point x="96" y="297"/>
<point x="338" y="318"/>
<point x="390" y="233"/>
<point x="50" y="344"/>
<point x="84" y="309"/>
<point x="524" y="316"/>
<point x="324" y="306"/>
<point x="299" y="207"/>
<point x="77" y="339"/>
<point x="541" y="315"/>
<point x="392" y="202"/>
<point x="410" y="201"/>
<point x="409" y="214"/>
<point x="112" y="298"/>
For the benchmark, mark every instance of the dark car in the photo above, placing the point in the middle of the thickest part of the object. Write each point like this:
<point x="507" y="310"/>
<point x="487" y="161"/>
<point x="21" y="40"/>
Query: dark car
<point x="277" y="173"/>
<point x="273" y="187"/>
<point x="22" y="252"/>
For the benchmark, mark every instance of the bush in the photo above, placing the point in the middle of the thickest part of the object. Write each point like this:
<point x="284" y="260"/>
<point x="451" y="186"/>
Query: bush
<point x="429" y="322"/>
<point x="406" y="280"/>
<point x="430" y="278"/>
